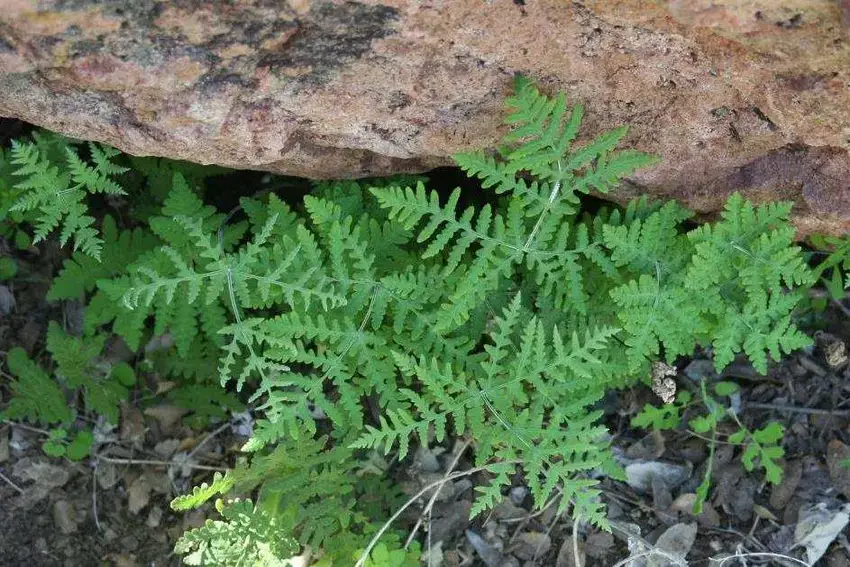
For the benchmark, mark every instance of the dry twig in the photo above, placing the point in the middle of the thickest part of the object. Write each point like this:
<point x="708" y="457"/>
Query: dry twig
<point x="430" y="505"/>
<point x="374" y="541"/>
<point x="154" y="463"/>
<point x="12" y="484"/>
<point x="794" y="409"/>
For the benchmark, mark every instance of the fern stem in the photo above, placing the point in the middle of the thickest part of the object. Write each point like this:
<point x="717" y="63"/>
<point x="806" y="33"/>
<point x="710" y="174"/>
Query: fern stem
<point x="353" y="339"/>
<point x="485" y="398"/>
<point x="552" y="196"/>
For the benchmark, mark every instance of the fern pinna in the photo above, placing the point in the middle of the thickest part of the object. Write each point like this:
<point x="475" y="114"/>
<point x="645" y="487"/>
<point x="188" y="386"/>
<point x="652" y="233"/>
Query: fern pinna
<point x="385" y="314"/>
<point x="54" y="193"/>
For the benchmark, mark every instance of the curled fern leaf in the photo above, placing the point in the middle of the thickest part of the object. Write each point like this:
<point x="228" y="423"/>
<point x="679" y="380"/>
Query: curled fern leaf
<point x="221" y="484"/>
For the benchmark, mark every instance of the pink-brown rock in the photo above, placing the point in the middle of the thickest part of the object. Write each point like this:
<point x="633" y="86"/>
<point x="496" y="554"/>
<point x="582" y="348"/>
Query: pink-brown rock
<point x="750" y="95"/>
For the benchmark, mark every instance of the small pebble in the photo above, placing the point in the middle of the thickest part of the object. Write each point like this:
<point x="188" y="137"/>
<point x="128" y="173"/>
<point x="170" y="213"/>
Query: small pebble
<point x="193" y="519"/>
<point x="154" y="517"/>
<point x="64" y="517"/>
<point x="426" y="461"/>
<point x="130" y="543"/>
<point x="518" y="494"/>
<point x="532" y="545"/>
<point x="166" y="448"/>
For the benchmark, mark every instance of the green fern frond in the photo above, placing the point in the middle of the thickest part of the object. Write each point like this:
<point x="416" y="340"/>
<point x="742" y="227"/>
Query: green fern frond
<point x="78" y="365"/>
<point x="36" y="397"/>
<point x="245" y="536"/>
<point x="653" y="314"/>
<point x="650" y="245"/>
<point x="541" y="144"/>
<point x="206" y="276"/>
<point x="490" y="494"/>
<point x="751" y="244"/>
<point x="95" y="179"/>
<point x="760" y="328"/>
<point x="564" y="377"/>
<point x="220" y="485"/>
<point x="80" y="273"/>
<point x="57" y="195"/>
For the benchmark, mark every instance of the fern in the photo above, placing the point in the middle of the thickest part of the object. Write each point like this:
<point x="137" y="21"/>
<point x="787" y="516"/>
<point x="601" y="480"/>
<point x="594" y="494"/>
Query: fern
<point x="81" y="272"/>
<point x="35" y="396"/>
<point x="212" y="279"/>
<point x="183" y="319"/>
<point x="308" y="493"/>
<point x="603" y="297"/>
<point x="57" y="194"/>
<point x="246" y="537"/>
<point x="221" y="484"/>
<point x="205" y="403"/>
<point x="553" y="435"/>
<point x="382" y="315"/>
<point x="77" y="365"/>
<point x="741" y="268"/>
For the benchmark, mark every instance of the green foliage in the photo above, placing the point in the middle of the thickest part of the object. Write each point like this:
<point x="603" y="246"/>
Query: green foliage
<point x="59" y="444"/>
<point x="81" y="272"/>
<point x="667" y="416"/>
<point x="743" y="266"/>
<point x="77" y="365"/>
<point x="182" y="320"/>
<point x="375" y="314"/>
<point x="384" y="556"/>
<point x="725" y="285"/>
<point x="306" y="491"/>
<point x="57" y="192"/>
<point x="761" y="447"/>
<point x="35" y="396"/>
<point x="831" y="259"/>
<point x="8" y="269"/>
<point x="834" y="267"/>
<point x="245" y="536"/>
<point x="205" y="402"/>
<point x="554" y="438"/>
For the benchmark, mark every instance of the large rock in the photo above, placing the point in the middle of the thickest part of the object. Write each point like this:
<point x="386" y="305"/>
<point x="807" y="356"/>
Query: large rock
<point x="734" y="95"/>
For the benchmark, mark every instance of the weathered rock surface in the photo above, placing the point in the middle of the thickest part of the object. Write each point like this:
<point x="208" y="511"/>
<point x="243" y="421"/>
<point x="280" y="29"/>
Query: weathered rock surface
<point x="733" y="94"/>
